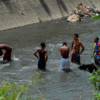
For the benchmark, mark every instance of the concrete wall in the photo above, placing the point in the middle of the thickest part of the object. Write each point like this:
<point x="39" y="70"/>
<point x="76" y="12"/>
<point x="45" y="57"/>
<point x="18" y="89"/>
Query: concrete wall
<point x="16" y="13"/>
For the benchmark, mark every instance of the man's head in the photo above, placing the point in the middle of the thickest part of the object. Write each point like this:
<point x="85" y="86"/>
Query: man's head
<point x="64" y="43"/>
<point x="43" y="45"/>
<point x="76" y="36"/>
<point x="96" y="39"/>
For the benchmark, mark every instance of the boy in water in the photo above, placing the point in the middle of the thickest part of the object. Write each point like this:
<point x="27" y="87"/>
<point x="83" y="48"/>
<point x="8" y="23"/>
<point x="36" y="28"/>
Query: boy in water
<point x="7" y="53"/>
<point x="42" y="56"/>
<point x="75" y="49"/>
<point x="65" y="56"/>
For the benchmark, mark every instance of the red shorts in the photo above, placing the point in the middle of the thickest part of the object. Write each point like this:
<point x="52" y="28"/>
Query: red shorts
<point x="7" y="55"/>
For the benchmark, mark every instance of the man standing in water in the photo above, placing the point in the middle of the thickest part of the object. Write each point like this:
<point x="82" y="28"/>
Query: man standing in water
<point x="96" y="40"/>
<point x="7" y="53"/>
<point x="75" y="49"/>
<point x="65" y="57"/>
<point x="42" y="54"/>
<point x="96" y="50"/>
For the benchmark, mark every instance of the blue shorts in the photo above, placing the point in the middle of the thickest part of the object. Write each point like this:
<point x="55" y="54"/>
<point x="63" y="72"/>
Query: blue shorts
<point x="41" y="64"/>
<point x="77" y="58"/>
<point x="97" y="59"/>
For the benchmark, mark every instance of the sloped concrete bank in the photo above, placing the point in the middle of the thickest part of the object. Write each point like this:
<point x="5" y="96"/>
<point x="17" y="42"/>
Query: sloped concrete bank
<point x="16" y="13"/>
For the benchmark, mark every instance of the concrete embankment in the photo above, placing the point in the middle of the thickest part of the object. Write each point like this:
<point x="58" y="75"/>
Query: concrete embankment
<point x="16" y="13"/>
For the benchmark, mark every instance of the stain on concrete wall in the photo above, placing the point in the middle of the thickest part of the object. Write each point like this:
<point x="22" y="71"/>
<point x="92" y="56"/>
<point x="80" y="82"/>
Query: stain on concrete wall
<point x="16" y="13"/>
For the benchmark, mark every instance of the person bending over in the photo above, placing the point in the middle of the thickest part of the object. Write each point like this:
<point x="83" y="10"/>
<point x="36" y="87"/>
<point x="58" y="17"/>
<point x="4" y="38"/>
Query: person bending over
<point x="7" y="53"/>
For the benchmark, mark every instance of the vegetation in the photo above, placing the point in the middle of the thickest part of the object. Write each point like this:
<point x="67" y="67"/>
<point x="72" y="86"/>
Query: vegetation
<point x="95" y="81"/>
<point x="96" y="17"/>
<point x="15" y="91"/>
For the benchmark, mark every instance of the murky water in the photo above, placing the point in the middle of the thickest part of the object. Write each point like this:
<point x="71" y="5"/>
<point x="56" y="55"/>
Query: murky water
<point x="58" y="84"/>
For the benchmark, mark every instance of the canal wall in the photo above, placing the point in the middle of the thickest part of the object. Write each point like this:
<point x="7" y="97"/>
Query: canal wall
<point x="17" y="13"/>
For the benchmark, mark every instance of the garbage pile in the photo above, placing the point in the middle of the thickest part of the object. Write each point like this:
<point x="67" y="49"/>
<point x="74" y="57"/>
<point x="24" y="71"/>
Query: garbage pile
<point x="83" y="11"/>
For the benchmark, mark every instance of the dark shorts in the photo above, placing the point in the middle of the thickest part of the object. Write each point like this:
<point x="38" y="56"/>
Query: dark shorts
<point x="75" y="58"/>
<point x="97" y="59"/>
<point x="41" y="64"/>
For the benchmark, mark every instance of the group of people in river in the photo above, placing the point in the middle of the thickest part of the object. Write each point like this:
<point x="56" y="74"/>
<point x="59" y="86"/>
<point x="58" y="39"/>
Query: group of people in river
<point x="75" y="51"/>
<point x="64" y="50"/>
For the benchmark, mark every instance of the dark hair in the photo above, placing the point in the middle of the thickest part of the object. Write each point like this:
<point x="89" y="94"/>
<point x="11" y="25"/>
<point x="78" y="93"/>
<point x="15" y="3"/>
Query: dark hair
<point x="42" y="44"/>
<point x="76" y="35"/>
<point x="64" y="43"/>
<point x="97" y="38"/>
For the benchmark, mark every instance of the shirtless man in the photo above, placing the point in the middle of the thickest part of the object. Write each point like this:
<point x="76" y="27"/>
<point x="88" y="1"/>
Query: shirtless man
<point x="7" y="53"/>
<point x="75" y="49"/>
<point x="42" y="53"/>
<point x="65" y="57"/>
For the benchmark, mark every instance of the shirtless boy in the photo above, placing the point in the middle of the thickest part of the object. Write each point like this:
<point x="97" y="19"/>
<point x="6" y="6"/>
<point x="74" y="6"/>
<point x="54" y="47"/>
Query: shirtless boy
<point x="65" y="57"/>
<point x="42" y="56"/>
<point x="75" y="49"/>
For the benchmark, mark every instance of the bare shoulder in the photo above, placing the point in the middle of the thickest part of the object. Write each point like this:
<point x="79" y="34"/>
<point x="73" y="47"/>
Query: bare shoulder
<point x="61" y="47"/>
<point x="80" y="42"/>
<point x="45" y="51"/>
<point x="38" y="49"/>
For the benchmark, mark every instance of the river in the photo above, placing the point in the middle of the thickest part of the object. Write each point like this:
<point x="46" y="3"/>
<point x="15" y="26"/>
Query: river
<point x="58" y="84"/>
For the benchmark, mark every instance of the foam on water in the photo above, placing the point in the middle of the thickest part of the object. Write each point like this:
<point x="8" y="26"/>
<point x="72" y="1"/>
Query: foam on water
<point x="24" y="68"/>
<point x="15" y="59"/>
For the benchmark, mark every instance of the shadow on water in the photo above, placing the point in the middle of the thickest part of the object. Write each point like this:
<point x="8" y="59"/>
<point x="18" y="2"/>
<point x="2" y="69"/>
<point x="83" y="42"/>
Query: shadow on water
<point x="10" y="6"/>
<point x="43" y="70"/>
<point x="62" y="5"/>
<point x="67" y="70"/>
<point x="5" y="62"/>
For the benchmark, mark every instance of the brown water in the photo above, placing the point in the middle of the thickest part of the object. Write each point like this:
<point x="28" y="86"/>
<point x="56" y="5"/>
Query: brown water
<point x="58" y="84"/>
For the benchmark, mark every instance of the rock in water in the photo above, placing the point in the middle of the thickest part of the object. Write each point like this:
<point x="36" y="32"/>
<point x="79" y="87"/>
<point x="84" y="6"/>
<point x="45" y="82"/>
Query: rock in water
<point x="73" y="18"/>
<point x="89" y="67"/>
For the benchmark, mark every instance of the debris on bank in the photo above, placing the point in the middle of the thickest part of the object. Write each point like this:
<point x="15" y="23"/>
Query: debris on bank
<point x="83" y="11"/>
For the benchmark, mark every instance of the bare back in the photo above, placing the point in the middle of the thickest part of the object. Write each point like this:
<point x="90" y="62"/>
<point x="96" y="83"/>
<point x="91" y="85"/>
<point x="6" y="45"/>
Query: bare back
<point x="64" y="52"/>
<point x="4" y="46"/>
<point x="42" y="53"/>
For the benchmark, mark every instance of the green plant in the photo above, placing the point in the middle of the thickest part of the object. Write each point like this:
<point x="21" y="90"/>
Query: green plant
<point x="95" y="81"/>
<point x="15" y="91"/>
<point x="96" y="17"/>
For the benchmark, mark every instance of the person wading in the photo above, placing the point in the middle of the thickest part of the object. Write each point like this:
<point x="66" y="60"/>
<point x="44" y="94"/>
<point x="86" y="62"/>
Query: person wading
<point x="64" y="50"/>
<point x="42" y="56"/>
<point x="96" y="51"/>
<point x="75" y="49"/>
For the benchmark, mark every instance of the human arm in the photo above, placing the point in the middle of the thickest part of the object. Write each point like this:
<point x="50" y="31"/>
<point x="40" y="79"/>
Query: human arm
<point x="36" y="53"/>
<point x="46" y="56"/>
<point x="60" y="52"/>
<point x="82" y="49"/>
<point x="1" y="52"/>
<point x="72" y="47"/>
<point x="95" y="51"/>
